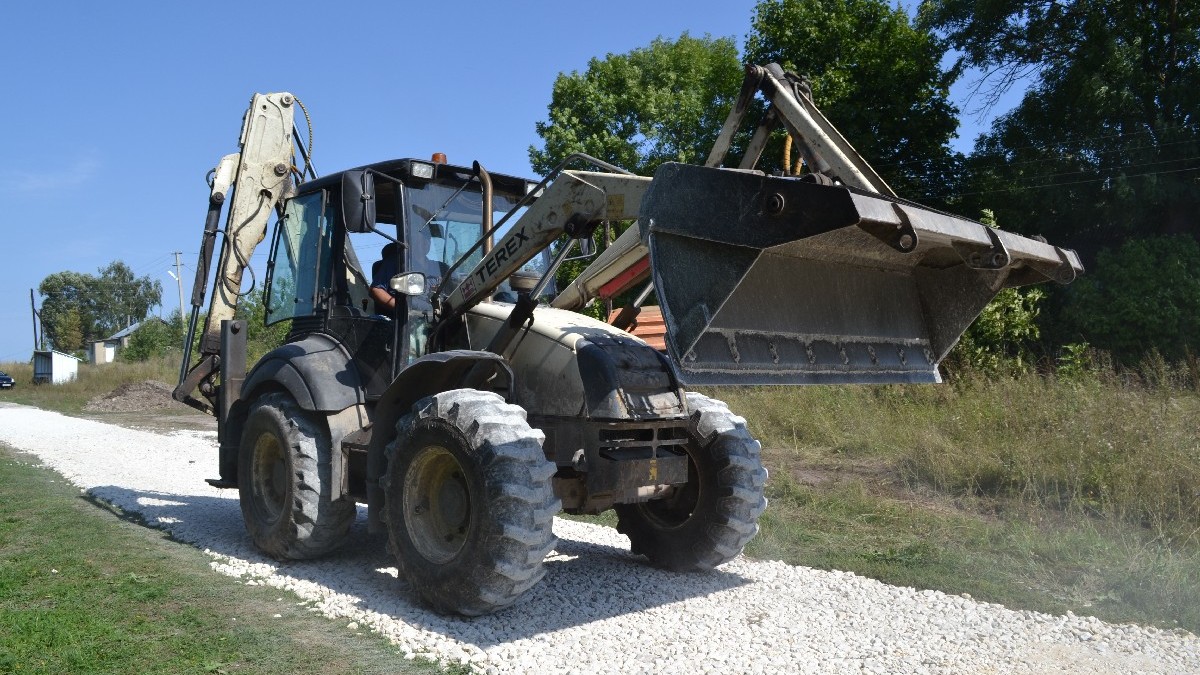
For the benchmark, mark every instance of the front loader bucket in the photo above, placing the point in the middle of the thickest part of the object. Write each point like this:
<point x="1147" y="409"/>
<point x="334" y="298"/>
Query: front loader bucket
<point x="770" y="280"/>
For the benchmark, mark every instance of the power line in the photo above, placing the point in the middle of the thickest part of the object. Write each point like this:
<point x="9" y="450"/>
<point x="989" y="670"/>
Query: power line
<point x="1025" y="188"/>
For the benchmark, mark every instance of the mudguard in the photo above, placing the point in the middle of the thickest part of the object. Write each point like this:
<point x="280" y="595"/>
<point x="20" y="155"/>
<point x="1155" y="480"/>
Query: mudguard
<point x="316" y="371"/>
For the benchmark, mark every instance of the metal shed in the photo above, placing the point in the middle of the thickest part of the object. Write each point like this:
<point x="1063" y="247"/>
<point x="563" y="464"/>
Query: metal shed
<point x="54" y="367"/>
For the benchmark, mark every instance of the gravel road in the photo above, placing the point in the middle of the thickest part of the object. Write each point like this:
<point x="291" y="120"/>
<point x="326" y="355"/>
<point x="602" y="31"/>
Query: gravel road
<point x="600" y="610"/>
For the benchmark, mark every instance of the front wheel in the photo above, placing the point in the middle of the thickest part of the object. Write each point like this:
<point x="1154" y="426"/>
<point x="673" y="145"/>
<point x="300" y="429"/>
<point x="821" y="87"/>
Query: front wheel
<point x="708" y="521"/>
<point x="284" y="482"/>
<point x="470" y="504"/>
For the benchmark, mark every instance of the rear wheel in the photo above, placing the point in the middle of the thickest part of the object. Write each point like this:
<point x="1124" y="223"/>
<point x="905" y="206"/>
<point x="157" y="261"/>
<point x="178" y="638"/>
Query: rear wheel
<point x="708" y="521"/>
<point x="470" y="505"/>
<point x="284" y="482"/>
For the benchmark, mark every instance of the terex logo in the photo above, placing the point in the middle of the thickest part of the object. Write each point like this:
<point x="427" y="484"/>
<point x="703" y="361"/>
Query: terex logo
<point x="501" y="255"/>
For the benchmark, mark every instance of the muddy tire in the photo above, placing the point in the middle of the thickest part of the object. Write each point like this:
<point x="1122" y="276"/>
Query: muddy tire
<point x="470" y="503"/>
<point x="284" y="482"/>
<point x="710" y="520"/>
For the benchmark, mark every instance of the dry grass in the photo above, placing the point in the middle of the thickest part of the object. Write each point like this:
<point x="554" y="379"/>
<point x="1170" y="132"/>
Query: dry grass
<point x="1056" y="495"/>
<point x="92" y="381"/>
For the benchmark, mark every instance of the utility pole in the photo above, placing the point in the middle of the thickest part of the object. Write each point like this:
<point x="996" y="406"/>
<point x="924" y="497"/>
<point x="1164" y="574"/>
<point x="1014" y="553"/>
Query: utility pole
<point x="33" y="308"/>
<point x="179" y="282"/>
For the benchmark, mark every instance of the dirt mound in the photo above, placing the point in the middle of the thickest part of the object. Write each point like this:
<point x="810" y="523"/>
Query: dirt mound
<point x="133" y="397"/>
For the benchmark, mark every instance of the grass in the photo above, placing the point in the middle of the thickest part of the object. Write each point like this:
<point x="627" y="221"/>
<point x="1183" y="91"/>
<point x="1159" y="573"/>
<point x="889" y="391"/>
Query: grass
<point x="92" y="381"/>
<point x="1032" y="492"/>
<point x="84" y="592"/>
<point x="1056" y="495"/>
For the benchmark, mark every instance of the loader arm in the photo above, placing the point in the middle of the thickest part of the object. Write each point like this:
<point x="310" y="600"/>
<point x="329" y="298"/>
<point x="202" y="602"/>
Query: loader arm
<point x="573" y="204"/>
<point x="823" y="278"/>
<point x="259" y="176"/>
<point x="825" y="151"/>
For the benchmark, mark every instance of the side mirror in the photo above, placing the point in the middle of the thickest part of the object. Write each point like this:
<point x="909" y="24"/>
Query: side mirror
<point x="410" y="283"/>
<point x="358" y="201"/>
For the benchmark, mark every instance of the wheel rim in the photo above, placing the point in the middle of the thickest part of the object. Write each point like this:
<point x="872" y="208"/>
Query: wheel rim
<point x="437" y="504"/>
<point x="269" y="478"/>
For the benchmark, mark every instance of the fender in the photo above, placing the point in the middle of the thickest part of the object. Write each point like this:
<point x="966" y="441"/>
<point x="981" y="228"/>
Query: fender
<point x="316" y="371"/>
<point x="428" y="375"/>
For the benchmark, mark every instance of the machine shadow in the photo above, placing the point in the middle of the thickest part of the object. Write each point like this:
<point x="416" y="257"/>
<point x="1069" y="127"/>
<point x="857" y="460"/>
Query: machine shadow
<point x="585" y="582"/>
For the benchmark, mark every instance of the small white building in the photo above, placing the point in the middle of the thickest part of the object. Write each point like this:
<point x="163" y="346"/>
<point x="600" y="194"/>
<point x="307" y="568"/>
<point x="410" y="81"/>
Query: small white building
<point x="54" y="367"/>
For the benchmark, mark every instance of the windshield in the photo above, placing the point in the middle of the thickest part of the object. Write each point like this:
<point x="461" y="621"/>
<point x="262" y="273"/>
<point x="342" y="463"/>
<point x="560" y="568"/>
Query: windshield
<point x="452" y="223"/>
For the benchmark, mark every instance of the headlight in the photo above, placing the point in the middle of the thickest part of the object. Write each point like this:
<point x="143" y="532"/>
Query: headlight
<point x="420" y="170"/>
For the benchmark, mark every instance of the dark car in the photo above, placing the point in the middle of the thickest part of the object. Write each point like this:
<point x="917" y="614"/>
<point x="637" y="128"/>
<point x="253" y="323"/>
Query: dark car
<point x="6" y="381"/>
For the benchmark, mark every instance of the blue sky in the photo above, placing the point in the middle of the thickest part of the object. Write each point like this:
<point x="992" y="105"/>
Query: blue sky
<point x="114" y="112"/>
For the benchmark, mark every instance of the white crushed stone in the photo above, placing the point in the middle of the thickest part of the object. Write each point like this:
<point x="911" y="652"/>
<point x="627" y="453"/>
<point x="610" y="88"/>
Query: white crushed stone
<point x="599" y="609"/>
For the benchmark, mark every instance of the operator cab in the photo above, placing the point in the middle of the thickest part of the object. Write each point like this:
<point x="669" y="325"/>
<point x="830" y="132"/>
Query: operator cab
<point x="413" y="227"/>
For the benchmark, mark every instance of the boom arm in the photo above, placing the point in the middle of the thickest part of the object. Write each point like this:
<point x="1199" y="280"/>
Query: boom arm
<point x="259" y="177"/>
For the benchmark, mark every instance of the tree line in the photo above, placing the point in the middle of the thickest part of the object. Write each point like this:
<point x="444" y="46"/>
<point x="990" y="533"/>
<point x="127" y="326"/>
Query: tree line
<point x="1102" y="154"/>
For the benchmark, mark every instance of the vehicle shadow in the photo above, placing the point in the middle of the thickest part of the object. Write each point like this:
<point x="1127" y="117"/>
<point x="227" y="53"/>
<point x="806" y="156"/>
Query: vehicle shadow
<point x="585" y="582"/>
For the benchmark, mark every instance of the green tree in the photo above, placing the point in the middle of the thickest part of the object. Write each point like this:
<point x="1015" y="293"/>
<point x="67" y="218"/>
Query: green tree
<point x="66" y="311"/>
<point x="102" y="304"/>
<point x="876" y="76"/>
<point x="260" y="338"/>
<point x="151" y="339"/>
<point x="69" y="331"/>
<point x="1103" y="150"/>
<point x="661" y="103"/>
<point x="1141" y="296"/>
<point x="121" y="298"/>
<point x="1105" y="144"/>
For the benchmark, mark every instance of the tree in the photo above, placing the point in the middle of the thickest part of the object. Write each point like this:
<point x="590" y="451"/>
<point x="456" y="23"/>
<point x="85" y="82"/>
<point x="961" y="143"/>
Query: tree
<point x="121" y="299"/>
<point x="153" y="338"/>
<point x="69" y="331"/>
<point x="260" y="338"/>
<point x="1102" y="152"/>
<point x="1144" y="295"/>
<point x="876" y="76"/>
<point x="660" y="103"/>
<point x="1105" y="145"/>
<point x="101" y="305"/>
<point x="66" y="312"/>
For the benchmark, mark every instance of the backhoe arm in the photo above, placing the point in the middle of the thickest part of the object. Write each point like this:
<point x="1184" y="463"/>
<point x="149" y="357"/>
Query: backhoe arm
<point x="259" y="177"/>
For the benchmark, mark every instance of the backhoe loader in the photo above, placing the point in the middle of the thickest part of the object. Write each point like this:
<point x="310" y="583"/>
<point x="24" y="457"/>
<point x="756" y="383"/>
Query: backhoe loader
<point x="478" y="407"/>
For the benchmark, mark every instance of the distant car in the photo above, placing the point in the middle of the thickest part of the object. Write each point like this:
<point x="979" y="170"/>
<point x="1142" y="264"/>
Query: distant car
<point x="6" y="381"/>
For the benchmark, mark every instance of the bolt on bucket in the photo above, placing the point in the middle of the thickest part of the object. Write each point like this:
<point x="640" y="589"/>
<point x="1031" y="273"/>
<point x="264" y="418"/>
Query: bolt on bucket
<point x="785" y="280"/>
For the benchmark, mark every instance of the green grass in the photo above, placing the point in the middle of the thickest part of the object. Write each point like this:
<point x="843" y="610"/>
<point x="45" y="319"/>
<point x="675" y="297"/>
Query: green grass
<point x="84" y="591"/>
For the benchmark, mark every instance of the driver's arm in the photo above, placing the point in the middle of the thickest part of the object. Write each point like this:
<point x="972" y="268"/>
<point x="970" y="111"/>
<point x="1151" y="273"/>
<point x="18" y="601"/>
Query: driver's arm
<point x="383" y="297"/>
